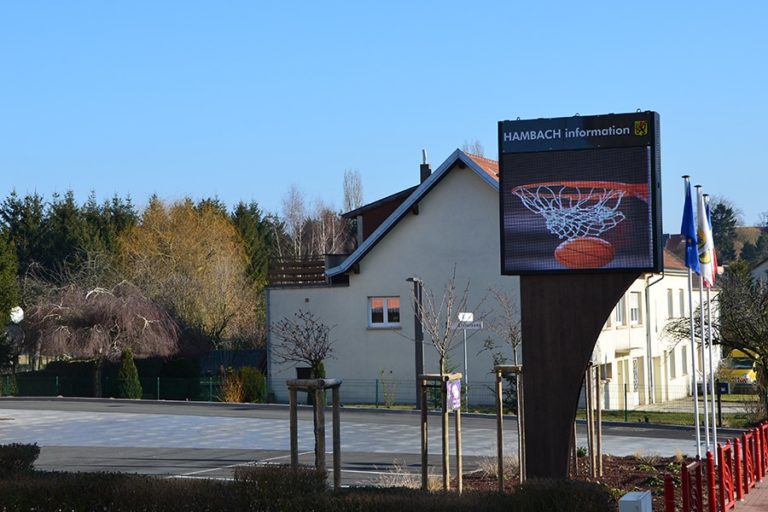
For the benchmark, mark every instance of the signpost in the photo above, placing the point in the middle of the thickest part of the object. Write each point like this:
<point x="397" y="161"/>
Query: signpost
<point x="467" y="323"/>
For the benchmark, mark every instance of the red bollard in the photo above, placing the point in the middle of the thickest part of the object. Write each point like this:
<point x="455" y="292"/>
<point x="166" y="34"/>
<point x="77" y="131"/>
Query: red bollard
<point x="712" y="500"/>
<point x="758" y="455"/>
<point x="738" y="477"/>
<point x="669" y="493"/>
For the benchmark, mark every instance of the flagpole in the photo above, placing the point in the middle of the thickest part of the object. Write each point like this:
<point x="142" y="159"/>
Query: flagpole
<point x="693" y="366"/>
<point x="704" y="376"/>
<point x="711" y="373"/>
<point x="688" y="230"/>
<point x="709" y="328"/>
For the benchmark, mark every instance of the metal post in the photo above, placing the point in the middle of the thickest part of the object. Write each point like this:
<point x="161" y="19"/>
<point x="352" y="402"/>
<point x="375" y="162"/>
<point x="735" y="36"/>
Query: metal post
<point x="294" y="424"/>
<point x="336" y="440"/>
<point x="459" y="464"/>
<point x="424" y="437"/>
<point x="711" y="373"/>
<point x="704" y="375"/>
<point x="719" y="405"/>
<point x="500" y="431"/>
<point x="694" y="384"/>
<point x="446" y="460"/>
<point x="158" y="388"/>
<point x="466" y="377"/>
<point x="377" y="393"/>
<point x="418" y="334"/>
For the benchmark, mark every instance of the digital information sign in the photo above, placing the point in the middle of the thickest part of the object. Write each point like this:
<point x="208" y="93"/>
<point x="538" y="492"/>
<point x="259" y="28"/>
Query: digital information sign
<point x="580" y="194"/>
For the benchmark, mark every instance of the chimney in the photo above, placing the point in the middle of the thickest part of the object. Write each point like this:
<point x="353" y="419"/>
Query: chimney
<point x="425" y="169"/>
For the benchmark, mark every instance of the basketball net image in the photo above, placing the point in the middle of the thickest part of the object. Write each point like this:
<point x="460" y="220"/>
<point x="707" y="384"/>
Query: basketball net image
<point x="579" y="212"/>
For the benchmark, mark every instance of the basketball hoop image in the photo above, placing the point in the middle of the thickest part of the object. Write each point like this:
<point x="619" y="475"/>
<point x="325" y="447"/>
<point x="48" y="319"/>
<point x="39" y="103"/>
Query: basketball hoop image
<point x="579" y="212"/>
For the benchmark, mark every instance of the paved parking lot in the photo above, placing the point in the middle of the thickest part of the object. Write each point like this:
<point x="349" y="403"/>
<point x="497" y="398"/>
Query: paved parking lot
<point x="194" y="440"/>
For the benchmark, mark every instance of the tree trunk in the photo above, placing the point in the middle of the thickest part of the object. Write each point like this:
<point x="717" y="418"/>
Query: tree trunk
<point x="98" y="365"/>
<point x="38" y="349"/>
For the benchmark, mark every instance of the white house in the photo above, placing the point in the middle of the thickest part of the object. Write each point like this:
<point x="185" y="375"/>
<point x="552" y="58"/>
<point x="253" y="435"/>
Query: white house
<point x="760" y="271"/>
<point x="450" y="223"/>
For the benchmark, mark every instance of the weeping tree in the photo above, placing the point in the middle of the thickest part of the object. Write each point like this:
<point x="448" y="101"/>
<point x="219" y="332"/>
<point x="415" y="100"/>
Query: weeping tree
<point x="98" y="323"/>
<point x="739" y="319"/>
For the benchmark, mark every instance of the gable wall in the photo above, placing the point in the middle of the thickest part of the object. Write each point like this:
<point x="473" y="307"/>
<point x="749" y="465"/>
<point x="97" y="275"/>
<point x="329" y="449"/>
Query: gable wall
<point x="457" y="225"/>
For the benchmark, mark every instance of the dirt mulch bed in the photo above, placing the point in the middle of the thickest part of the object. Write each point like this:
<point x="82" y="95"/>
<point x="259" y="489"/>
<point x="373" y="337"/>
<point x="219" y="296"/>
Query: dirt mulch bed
<point x="620" y="474"/>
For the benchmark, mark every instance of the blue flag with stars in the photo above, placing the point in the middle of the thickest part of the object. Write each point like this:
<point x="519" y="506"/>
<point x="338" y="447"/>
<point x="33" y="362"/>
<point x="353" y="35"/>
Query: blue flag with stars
<point x="688" y="230"/>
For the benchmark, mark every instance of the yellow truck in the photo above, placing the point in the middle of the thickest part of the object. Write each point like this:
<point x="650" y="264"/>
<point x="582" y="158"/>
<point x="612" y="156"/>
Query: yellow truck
<point x="739" y="369"/>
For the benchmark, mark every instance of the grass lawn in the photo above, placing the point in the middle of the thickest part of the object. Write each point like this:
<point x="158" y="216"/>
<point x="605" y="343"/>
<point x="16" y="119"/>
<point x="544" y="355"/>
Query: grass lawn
<point x="732" y="420"/>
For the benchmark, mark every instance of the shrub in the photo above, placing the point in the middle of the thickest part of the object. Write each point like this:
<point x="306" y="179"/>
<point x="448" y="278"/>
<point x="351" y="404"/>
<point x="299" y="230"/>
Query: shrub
<point x="254" y="384"/>
<point x="276" y="481"/>
<point x="8" y="385"/>
<point x="128" y="377"/>
<point x="231" y="387"/>
<point x="17" y="458"/>
<point x="563" y="495"/>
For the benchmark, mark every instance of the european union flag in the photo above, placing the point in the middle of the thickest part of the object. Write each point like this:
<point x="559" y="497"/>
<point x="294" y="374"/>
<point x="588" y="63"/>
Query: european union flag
<point x="688" y="230"/>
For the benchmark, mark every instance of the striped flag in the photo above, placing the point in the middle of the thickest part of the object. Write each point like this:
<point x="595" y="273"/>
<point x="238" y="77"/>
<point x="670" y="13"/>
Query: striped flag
<point x="704" y="234"/>
<point x="688" y="230"/>
<point x="714" y="252"/>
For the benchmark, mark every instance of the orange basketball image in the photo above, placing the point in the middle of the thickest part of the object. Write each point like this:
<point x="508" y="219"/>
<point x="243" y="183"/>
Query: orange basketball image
<point x="586" y="252"/>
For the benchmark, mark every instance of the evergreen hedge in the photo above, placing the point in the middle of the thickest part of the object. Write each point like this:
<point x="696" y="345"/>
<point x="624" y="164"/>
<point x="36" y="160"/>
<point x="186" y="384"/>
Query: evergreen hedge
<point x="16" y="459"/>
<point x="277" y="489"/>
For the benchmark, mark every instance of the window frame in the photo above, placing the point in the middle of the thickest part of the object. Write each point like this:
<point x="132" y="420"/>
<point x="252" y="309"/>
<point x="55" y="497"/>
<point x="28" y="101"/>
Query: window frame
<point x="635" y="310"/>
<point x="670" y="303"/>
<point x="385" y="323"/>
<point x="620" y="312"/>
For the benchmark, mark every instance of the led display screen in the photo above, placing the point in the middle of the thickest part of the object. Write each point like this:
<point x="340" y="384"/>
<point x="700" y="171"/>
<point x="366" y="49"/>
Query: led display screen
<point x="580" y="194"/>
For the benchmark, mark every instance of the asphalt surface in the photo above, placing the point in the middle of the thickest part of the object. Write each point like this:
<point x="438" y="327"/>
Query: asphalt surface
<point x="210" y="440"/>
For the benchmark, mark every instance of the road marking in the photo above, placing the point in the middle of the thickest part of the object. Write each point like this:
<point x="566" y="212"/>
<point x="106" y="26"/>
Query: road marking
<point x="200" y="472"/>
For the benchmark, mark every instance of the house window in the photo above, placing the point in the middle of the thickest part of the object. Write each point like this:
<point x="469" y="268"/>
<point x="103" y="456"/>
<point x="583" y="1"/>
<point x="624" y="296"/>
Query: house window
<point x="634" y="308"/>
<point x="684" y="359"/>
<point x="672" y="365"/>
<point x="619" y="314"/>
<point x="681" y="299"/>
<point x="384" y="312"/>
<point x="670" y="303"/>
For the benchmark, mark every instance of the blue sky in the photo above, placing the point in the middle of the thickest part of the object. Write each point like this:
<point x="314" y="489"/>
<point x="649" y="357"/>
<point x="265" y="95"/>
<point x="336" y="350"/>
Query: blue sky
<point x="242" y="99"/>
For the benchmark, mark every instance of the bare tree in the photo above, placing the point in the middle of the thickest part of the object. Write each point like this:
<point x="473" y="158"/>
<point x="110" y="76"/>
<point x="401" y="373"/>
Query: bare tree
<point x="439" y="317"/>
<point x="303" y="339"/>
<point x="295" y="215"/>
<point x="506" y="326"/>
<point x="353" y="190"/>
<point x="762" y="219"/>
<point x="326" y="231"/>
<point x="474" y="147"/>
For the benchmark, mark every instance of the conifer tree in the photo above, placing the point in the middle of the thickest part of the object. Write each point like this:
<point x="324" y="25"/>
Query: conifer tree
<point x="128" y="376"/>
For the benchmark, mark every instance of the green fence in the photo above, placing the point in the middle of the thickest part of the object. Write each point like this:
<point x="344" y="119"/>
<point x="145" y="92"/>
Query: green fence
<point x="204" y="389"/>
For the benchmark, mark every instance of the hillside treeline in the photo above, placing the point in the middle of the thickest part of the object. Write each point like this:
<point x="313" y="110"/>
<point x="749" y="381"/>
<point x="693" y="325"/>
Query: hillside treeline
<point x="183" y="276"/>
